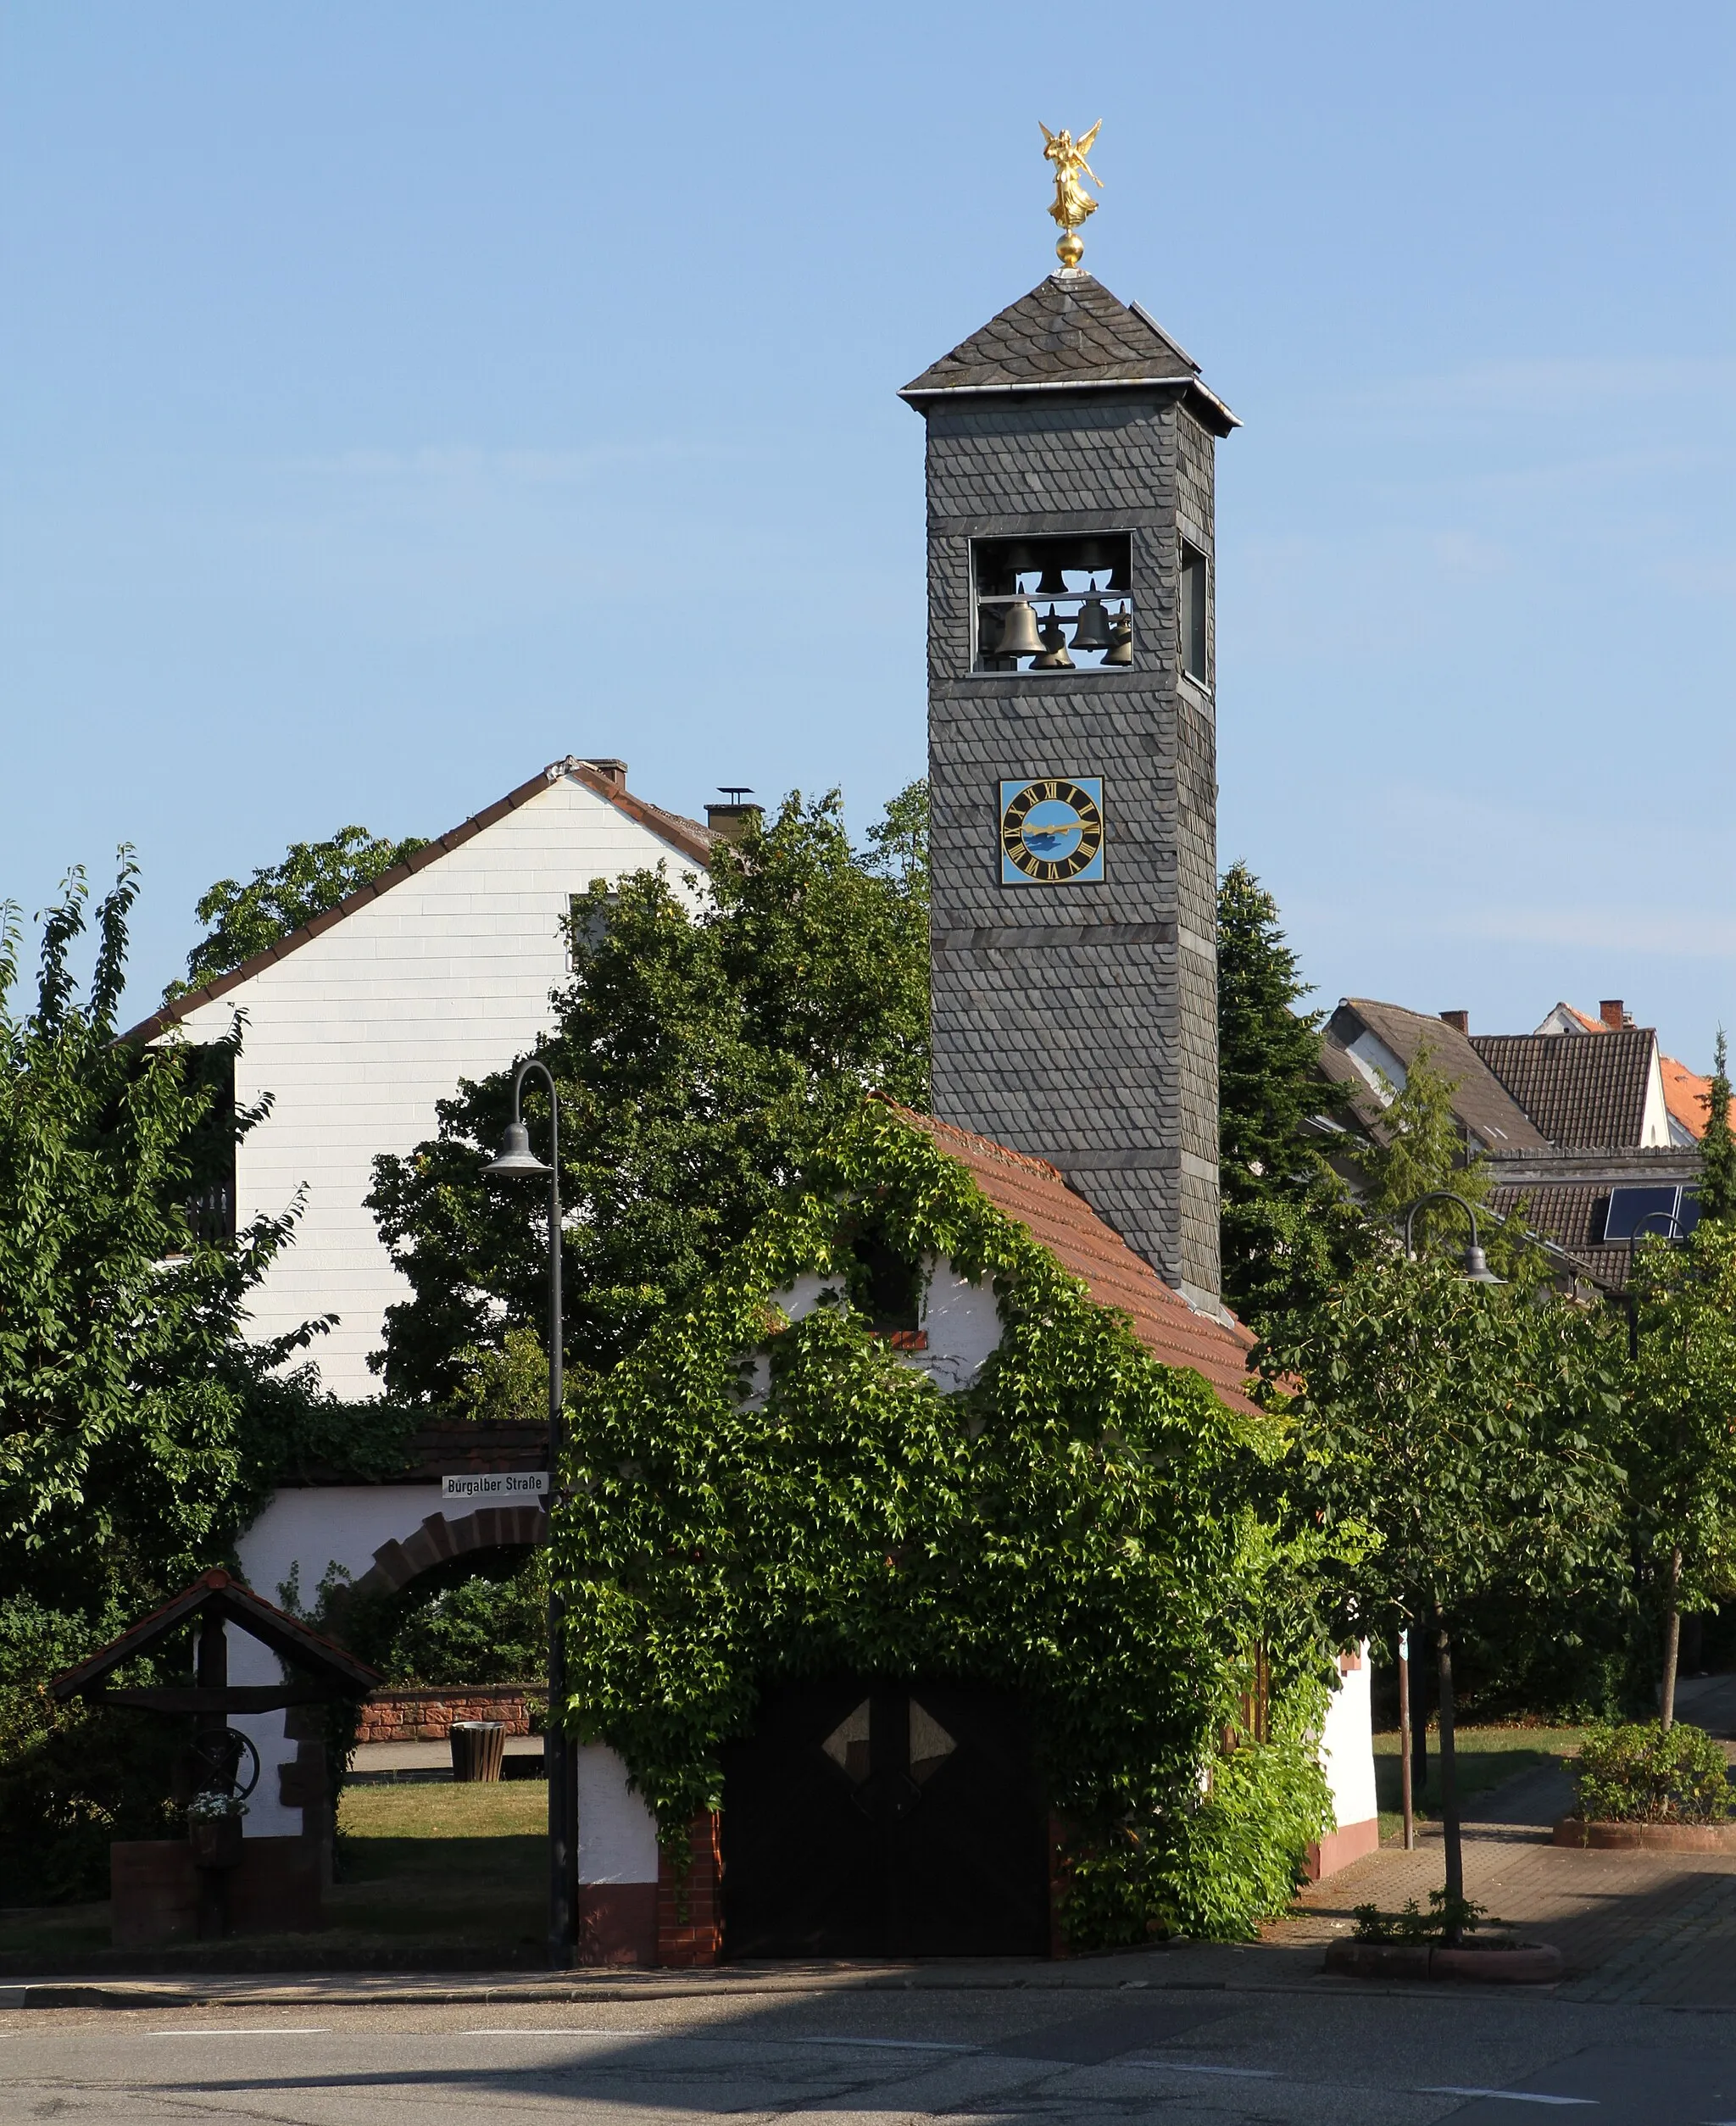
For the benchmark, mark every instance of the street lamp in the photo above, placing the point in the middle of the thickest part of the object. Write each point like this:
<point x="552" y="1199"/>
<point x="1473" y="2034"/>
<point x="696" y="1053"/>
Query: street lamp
<point x="1628" y="1301"/>
<point x="518" y="1162"/>
<point x="1477" y="1269"/>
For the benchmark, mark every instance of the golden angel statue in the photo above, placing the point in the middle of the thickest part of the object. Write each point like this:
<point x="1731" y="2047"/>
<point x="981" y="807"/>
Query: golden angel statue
<point x="1072" y="203"/>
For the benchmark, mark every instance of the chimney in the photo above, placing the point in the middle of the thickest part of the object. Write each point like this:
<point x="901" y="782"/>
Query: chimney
<point x="728" y="821"/>
<point x="1460" y="1021"/>
<point x="614" y="772"/>
<point x="1612" y="1015"/>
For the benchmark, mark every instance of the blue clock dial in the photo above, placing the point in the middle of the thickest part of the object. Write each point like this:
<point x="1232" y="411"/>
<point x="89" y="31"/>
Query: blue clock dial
<point x="1051" y="831"/>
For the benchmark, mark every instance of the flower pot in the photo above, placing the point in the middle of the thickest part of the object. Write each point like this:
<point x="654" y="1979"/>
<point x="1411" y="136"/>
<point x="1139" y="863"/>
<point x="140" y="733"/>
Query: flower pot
<point x="215" y="1841"/>
<point x="1646" y="1838"/>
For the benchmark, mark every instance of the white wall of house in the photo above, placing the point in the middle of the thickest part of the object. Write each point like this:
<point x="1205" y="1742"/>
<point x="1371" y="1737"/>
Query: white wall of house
<point x="1346" y="1745"/>
<point x="359" y="1030"/>
<point x="305" y="1531"/>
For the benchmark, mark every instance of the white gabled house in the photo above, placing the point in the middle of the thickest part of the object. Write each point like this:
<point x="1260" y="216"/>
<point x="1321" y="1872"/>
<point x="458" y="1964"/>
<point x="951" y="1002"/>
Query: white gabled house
<point x="358" y="1024"/>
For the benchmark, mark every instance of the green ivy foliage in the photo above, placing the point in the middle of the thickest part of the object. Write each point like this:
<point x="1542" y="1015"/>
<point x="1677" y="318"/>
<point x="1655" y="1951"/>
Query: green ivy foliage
<point x="754" y="1498"/>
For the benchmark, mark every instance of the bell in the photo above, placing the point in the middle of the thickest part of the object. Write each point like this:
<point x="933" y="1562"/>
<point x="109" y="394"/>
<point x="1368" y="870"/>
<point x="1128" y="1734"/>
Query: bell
<point x="1121" y="628"/>
<point x="1054" y="657"/>
<point x="1053" y="583"/>
<point x="1093" y="631"/>
<point x="1018" y="632"/>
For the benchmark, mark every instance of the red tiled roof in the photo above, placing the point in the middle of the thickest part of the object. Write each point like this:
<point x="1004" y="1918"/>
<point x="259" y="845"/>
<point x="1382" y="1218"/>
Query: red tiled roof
<point x="686" y="835"/>
<point x="1037" y="1195"/>
<point x="1688" y="1096"/>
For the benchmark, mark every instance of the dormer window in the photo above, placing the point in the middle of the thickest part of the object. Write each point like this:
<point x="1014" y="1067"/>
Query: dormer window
<point x="1053" y="604"/>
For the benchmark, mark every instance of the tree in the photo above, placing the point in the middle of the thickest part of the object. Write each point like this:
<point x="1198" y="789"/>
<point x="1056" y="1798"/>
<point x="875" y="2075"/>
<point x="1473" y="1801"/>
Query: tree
<point x="1473" y="1429"/>
<point x="139" y="1428"/>
<point x="1682" y="1453"/>
<point x="1286" y="1226"/>
<point x="313" y="877"/>
<point x="700" y="1058"/>
<point x="1718" y="1148"/>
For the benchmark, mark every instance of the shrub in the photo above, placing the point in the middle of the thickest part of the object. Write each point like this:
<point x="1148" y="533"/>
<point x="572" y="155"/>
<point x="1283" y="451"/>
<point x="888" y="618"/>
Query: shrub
<point x="1640" y="1773"/>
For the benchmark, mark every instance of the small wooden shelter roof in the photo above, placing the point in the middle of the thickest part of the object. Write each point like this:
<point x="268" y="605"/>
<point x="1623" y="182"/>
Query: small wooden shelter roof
<point x="215" y="1593"/>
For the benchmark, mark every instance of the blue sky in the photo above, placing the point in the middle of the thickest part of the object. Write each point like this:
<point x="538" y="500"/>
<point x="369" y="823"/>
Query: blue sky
<point x="394" y="397"/>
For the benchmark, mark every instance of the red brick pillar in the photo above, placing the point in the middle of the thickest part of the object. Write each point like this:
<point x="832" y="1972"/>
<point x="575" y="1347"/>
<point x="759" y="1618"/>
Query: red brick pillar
<point x="690" y="1910"/>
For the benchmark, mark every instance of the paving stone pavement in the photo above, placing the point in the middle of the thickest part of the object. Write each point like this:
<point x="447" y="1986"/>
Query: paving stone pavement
<point x="1658" y="1928"/>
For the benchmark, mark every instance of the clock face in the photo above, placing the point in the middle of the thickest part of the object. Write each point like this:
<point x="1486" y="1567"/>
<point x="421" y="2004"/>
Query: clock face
<point x="1051" y="831"/>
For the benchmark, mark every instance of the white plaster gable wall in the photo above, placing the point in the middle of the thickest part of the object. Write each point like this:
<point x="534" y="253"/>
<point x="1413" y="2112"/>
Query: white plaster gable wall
<point x="1655" y="1122"/>
<point x="961" y="1320"/>
<point x="309" y="1529"/>
<point x="359" y="1030"/>
<point x="1375" y="1062"/>
<point x="1347" y="1747"/>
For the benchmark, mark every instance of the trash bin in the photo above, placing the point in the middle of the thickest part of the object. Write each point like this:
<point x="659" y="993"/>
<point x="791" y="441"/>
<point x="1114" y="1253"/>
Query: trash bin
<point x="477" y="1748"/>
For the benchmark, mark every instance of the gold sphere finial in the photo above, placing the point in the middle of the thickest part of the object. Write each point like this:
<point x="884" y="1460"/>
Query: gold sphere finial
<point x="1072" y="203"/>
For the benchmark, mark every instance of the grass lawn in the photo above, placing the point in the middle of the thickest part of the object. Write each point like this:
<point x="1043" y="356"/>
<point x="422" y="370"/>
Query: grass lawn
<point x="1485" y="1757"/>
<point x="458" y="1872"/>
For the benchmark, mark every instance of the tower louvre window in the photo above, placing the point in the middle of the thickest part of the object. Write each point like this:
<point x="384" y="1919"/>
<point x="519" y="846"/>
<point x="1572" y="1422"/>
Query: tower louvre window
<point x="1048" y="604"/>
<point x="1194" y="610"/>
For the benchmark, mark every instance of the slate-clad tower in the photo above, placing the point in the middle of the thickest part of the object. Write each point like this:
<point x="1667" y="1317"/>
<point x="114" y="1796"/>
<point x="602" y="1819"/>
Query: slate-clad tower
<point x="1069" y="471"/>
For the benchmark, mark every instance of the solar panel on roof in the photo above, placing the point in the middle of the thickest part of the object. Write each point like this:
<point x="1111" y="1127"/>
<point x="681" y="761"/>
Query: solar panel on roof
<point x="1650" y="1211"/>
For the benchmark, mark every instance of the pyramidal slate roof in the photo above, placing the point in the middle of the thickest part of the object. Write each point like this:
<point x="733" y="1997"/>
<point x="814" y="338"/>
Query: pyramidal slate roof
<point x="1069" y="333"/>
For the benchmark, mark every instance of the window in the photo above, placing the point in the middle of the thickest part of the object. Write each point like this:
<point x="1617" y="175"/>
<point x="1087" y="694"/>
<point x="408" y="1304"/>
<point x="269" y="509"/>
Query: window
<point x="210" y="1204"/>
<point x="1053" y="604"/>
<point x="1194" y="613"/>
<point x="1644" y="1212"/>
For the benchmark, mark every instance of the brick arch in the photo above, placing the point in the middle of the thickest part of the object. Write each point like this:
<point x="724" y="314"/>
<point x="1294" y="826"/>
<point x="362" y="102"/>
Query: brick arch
<point x="490" y="1527"/>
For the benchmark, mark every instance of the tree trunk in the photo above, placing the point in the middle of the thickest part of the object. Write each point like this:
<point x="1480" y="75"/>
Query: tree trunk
<point x="1451" y="1933"/>
<point x="1406" y="1797"/>
<point x="1672" y="1645"/>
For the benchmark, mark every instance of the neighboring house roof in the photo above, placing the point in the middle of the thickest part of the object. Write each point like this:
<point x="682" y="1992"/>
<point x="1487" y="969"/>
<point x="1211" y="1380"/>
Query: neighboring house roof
<point x="686" y="837"/>
<point x="1480" y="1100"/>
<point x="1037" y="1196"/>
<point x="1577" y="1092"/>
<point x="1069" y="332"/>
<point x="1689" y="1097"/>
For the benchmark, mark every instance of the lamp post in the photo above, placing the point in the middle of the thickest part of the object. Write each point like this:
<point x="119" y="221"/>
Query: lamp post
<point x="517" y="1161"/>
<point x="1476" y="1271"/>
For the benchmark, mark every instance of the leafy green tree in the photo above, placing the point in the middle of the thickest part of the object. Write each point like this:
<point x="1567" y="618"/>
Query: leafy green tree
<point x="1718" y="1148"/>
<point x="699" y="1058"/>
<point x="1287" y="1229"/>
<point x="313" y="876"/>
<point x="1474" y="1429"/>
<point x="138" y="1426"/>
<point x="1681" y="1447"/>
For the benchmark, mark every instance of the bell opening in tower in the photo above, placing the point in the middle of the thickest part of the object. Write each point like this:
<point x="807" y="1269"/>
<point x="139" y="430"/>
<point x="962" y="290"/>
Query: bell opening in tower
<point x="1053" y="604"/>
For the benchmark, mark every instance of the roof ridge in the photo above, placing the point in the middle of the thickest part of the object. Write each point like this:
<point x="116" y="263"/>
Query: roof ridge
<point x="668" y="826"/>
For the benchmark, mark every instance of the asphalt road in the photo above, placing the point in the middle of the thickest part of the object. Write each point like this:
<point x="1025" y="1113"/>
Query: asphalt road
<point x="1222" y="2056"/>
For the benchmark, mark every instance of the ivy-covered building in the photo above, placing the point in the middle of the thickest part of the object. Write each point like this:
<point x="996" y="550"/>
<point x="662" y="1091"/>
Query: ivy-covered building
<point x="930" y="1593"/>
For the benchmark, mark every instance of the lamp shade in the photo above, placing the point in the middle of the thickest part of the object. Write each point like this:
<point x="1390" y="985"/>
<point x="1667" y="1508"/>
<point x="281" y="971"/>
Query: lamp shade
<point x="1477" y="1269"/>
<point x="516" y="1156"/>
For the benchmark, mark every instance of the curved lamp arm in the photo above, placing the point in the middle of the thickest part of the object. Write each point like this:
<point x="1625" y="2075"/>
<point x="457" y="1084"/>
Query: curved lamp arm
<point x="1477" y="1269"/>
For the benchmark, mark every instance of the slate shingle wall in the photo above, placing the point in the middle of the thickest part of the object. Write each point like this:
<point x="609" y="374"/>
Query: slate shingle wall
<point x="1079" y="1022"/>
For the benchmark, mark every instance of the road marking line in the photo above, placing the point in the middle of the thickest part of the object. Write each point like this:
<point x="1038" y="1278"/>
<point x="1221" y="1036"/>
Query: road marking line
<point x="1185" y="2067"/>
<point x="889" y="2045"/>
<point x="1506" y="2096"/>
<point x="571" y="2031"/>
<point x="264" y="2029"/>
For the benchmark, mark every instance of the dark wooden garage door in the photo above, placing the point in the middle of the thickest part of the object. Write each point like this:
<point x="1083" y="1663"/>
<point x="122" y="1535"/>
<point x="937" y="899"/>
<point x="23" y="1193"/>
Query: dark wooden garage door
<point x="865" y="1819"/>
